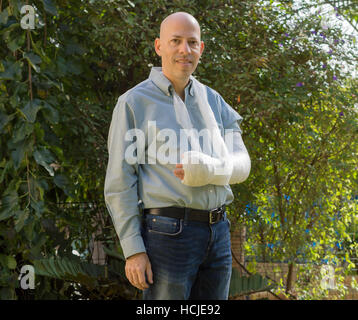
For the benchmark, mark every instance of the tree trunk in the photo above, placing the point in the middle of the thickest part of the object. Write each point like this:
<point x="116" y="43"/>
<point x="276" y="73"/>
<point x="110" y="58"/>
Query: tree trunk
<point x="289" y="278"/>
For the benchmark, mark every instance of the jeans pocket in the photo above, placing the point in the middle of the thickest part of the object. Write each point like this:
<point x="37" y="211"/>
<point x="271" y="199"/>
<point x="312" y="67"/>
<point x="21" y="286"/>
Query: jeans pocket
<point x="164" y="225"/>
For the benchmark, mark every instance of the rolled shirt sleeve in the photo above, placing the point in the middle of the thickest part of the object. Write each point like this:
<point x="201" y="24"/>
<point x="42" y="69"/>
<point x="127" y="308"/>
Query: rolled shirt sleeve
<point x="121" y="181"/>
<point x="230" y="117"/>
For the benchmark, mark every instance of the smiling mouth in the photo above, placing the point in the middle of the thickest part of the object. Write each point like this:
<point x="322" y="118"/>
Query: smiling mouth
<point x="183" y="61"/>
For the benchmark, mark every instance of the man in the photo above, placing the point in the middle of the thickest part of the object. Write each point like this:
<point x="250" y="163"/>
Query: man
<point x="178" y="246"/>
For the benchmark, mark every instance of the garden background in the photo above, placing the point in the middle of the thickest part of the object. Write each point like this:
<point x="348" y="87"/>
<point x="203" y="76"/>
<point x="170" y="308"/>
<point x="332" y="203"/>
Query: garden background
<point x="288" y="67"/>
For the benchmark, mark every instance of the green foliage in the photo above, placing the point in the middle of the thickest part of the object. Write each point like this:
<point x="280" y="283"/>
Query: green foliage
<point x="302" y="122"/>
<point x="95" y="281"/>
<point x="60" y="82"/>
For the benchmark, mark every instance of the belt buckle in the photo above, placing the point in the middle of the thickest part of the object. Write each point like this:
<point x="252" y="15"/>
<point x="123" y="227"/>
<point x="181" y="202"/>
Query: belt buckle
<point x="214" y="213"/>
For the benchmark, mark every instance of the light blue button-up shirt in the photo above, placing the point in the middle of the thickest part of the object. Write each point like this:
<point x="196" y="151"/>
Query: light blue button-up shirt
<point x="131" y="186"/>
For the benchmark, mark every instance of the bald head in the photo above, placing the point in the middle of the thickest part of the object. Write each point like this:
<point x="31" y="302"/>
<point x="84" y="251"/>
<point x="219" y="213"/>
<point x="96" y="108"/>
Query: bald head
<point x="180" y="47"/>
<point x="177" y="19"/>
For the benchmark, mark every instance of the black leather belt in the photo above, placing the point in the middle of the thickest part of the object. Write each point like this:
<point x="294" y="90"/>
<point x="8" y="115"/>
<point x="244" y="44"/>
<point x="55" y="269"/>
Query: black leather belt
<point x="210" y="216"/>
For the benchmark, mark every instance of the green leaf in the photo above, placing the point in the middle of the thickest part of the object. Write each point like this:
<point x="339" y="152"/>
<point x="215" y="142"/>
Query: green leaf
<point x="31" y="109"/>
<point x="62" y="66"/>
<point x="3" y="172"/>
<point x="52" y="269"/>
<point x="21" y="217"/>
<point x="11" y="262"/>
<point x="70" y="269"/>
<point x="12" y="70"/>
<point x="61" y="181"/>
<point x="4" y="15"/>
<point x="50" y="113"/>
<point x="113" y="253"/>
<point x="74" y="67"/>
<point x="37" y="249"/>
<point x="50" y="7"/>
<point x="18" y="151"/>
<point x="41" y="53"/>
<point x="21" y="130"/>
<point x="39" y="207"/>
<point x="29" y="229"/>
<point x="33" y="59"/>
<point x="3" y="261"/>
<point x="44" y="158"/>
<point x="9" y="204"/>
<point x="72" y="48"/>
<point x="16" y="43"/>
<point x="5" y="119"/>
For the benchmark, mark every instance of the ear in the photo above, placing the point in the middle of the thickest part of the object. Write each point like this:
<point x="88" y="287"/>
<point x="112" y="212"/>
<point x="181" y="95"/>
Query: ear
<point x="157" y="46"/>
<point x="202" y="46"/>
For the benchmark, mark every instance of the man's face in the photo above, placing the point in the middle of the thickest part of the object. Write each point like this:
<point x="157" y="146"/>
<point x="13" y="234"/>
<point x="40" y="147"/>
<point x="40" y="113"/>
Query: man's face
<point x="180" y="48"/>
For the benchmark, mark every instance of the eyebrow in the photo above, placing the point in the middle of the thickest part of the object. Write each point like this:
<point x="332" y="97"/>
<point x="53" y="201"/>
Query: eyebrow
<point x="177" y="36"/>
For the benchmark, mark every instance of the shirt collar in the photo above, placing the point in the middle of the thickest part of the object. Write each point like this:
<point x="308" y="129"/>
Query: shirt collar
<point x="164" y="84"/>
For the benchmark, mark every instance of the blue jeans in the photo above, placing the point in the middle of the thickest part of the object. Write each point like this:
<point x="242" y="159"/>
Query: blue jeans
<point x="189" y="259"/>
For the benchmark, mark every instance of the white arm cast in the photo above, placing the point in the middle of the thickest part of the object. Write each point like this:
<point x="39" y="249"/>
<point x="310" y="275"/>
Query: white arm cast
<point x="199" y="168"/>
